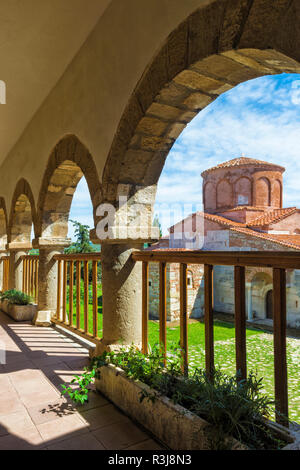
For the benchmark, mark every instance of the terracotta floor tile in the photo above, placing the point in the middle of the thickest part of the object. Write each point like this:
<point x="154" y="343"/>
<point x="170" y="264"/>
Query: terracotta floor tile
<point x="10" y="404"/>
<point x="96" y="400"/>
<point x="103" y="416"/>
<point x="50" y="411"/>
<point x="15" y="423"/>
<point x="84" y="442"/>
<point x="120" y="435"/>
<point x="62" y="428"/>
<point x="29" y="441"/>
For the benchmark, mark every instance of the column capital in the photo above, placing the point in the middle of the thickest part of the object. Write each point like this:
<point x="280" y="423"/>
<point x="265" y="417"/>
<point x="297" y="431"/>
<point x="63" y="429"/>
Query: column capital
<point x="51" y="243"/>
<point x="18" y="246"/>
<point x="131" y="237"/>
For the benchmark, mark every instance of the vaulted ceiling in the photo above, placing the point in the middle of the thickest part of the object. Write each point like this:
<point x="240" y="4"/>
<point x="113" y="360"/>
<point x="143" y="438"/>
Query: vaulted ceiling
<point x="38" y="39"/>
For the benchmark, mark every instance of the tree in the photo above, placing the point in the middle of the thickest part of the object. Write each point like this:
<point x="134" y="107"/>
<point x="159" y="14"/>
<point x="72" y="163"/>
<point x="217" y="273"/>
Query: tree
<point x="82" y="243"/>
<point x="156" y="223"/>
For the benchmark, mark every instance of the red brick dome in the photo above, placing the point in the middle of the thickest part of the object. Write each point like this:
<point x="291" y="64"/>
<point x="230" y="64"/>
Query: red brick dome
<point x="244" y="182"/>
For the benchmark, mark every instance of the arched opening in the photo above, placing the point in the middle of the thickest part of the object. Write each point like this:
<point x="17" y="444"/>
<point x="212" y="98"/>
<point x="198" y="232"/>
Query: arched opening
<point x="243" y="192"/>
<point x="22" y="220"/>
<point x="263" y="192"/>
<point x="269" y="304"/>
<point x="217" y="47"/>
<point x="3" y="224"/>
<point x="261" y="292"/>
<point x="224" y="194"/>
<point x="68" y="162"/>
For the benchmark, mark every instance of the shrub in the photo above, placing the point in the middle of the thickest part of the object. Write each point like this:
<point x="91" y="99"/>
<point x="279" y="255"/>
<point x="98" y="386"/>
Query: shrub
<point x="16" y="297"/>
<point x="232" y="406"/>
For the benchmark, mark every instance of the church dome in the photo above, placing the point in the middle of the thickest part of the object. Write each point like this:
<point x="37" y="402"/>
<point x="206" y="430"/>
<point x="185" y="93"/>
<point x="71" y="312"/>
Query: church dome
<point x="242" y="182"/>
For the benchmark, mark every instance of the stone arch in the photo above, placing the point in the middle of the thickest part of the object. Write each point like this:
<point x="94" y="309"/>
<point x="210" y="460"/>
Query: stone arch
<point x="220" y="45"/>
<point x="243" y="191"/>
<point x="277" y="194"/>
<point x="22" y="214"/>
<point x="224" y="194"/>
<point x="68" y="162"/>
<point x="209" y="196"/>
<point x="263" y="192"/>
<point x="261" y="284"/>
<point x="190" y="279"/>
<point x="3" y="223"/>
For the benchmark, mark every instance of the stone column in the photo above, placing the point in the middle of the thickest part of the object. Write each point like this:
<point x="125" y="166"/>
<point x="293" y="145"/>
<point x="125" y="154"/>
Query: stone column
<point x="249" y="301"/>
<point x="47" y="278"/>
<point x="16" y="250"/>
<point x="122" y="296"/>
<point x="2" y="254"/>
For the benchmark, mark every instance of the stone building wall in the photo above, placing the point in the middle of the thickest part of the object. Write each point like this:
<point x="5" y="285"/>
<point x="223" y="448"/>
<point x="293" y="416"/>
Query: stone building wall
<point x="258" y="284"/>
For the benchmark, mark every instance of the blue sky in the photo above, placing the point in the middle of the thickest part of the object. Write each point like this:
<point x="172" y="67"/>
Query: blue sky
<point x="259" y="118"/>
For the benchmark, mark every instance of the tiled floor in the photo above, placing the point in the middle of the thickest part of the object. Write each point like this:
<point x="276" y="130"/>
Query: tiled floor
<point x="33" y="415"/>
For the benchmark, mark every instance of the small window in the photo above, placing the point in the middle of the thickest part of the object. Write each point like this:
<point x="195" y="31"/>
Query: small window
<point x="150" y="283"/>
<point x="242" y="200"/>
<point x="296" y="303"/>
<point x="189" y="281"/>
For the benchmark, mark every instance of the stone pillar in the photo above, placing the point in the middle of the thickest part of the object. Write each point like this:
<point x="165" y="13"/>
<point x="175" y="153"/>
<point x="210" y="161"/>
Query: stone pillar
<point x="122" y="296"/>
<point x="2" y="254"/>
<point x="16" y="250"/>
<point x="47" y="278"/>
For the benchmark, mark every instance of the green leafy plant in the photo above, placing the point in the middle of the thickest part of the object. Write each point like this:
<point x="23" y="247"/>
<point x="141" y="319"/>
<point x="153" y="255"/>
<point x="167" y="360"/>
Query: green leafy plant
<point x="16" y="297"/>
<point x="232" y="406"/>
<point x="80" y="394"/>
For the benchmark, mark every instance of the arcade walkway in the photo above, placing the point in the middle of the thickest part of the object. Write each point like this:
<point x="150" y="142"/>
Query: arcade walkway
<point x="33" y="415"/>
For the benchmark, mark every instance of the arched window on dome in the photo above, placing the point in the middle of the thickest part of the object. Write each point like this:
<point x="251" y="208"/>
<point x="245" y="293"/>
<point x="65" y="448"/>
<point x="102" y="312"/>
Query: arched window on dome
<point x="224" y="194"/>
<point x="263" y="192"/>
<point x="243" y="192"/>
<point x="277" y="194"/>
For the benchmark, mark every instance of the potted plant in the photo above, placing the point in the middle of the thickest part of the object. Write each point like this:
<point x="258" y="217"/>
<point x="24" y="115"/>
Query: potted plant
<point x="184" y="413"/>
<point x="17" y="305"/>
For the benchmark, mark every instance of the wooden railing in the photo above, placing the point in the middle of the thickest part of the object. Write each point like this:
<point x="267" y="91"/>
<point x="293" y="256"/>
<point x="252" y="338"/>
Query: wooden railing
<point x="4" y="260"/>
<point x="74" y="272"/>
<point x="30" y="275"/>
<point x="278" y="261"/>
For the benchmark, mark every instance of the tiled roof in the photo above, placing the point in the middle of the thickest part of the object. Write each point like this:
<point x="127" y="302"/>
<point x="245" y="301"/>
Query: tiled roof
<point x="271" y="217"/>
<point x="288" y="241"/>
<point x="243" y="161"/>
<point x="221" y="220"/>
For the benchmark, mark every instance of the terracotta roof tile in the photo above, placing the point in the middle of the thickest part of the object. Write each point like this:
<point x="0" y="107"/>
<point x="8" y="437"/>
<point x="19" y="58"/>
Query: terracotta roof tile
<point x="271" y="217"/>
<point x="289" y="241"/>
<point x="242" y="161"/>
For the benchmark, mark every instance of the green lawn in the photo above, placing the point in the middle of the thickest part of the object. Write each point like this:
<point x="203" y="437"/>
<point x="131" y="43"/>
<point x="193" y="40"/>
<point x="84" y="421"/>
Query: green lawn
<point x="259" y="351"/>
<point x="260" y="357"/>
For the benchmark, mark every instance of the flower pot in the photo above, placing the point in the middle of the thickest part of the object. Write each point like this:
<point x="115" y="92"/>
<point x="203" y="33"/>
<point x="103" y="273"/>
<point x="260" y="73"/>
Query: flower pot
<point x="22" y="312"/>
<point x="173" y="425"/>
<point x="4" y="305"/>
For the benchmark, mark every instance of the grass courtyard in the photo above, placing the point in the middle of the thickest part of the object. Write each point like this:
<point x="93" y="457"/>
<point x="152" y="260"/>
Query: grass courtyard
<point x="260" y="356"/>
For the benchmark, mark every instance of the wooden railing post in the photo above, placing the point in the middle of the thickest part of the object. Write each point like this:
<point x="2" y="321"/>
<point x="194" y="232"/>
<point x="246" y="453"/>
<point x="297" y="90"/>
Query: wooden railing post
<point x="240" y="321"/>
<point x="64" y="312"/>
<point x="208" y="319"/>
<point x="95" y="299"/>
<point x="86" y="294"/>
<point x="71" y="285"/>
<point x="163" y="307"/>
<point x="58" y="305"/>
<point x="183" y="317"/>
<point x="279" y="326"/>
<point x="145" y="306"/>
<point x="78" y="279"/>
